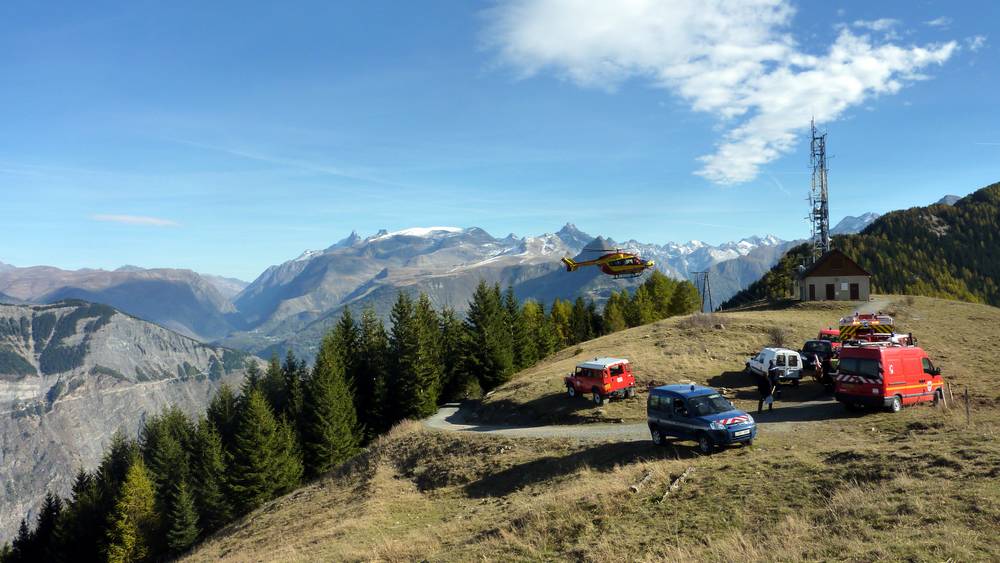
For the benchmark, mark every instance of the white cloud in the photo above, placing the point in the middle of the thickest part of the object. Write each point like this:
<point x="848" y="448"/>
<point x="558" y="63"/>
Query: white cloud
<point x="135" y="220"/>
<point x="882" y="24"/>
<point x="943" y="21"/>
<point x="735" y="60"/>
<point x="976" y="43"/>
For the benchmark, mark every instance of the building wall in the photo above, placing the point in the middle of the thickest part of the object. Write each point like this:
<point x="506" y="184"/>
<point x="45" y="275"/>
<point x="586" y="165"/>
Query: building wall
<point x="841" y="287"/>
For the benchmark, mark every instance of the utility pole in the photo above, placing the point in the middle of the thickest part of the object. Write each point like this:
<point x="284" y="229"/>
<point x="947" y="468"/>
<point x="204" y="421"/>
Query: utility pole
<point x="819" y="195"/>
<point x="706" y="291"/>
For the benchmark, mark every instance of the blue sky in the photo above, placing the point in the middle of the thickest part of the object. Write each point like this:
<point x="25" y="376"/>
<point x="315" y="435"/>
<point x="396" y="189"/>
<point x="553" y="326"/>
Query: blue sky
<point x="224" y="137"/>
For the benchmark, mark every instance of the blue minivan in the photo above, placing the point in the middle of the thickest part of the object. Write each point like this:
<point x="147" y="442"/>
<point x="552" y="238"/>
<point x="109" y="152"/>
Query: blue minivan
<point x="693" y="412"/>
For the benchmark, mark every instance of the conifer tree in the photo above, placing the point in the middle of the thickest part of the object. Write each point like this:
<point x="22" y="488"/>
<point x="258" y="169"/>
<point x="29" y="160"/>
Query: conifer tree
<point x="183" y="520"/>
<point x="579" y="322"/>
<point x="614" y="315"/>
<point x="273" y="385"/>
<point x="490" y="354"/>
<point x="370" y="388"/>
<point x="641" y="308"/>
<point x="660" y="289"/>
<point x="547" y="337"/>
<point x="428" y="369"/>
<point x="685" y="300"/>
<point x="252" y="378"/>
<point x="80" y="526"/>
<point x="208" y="473"/>
<point x="348" y="340"/>
<point x="514" y="319"/>
<point x="404" y="346"/>
<point x="134" y="518"/>
<point x="222" y="413"/>
<point x="110" y="475"/>
<point x="454" y="376"/>
<point x="559" y="316"/>
<point x="264" y="462"/>
<point x="45" y="529"/>
<point x="532" y="317"/>
<point x="22" y="549"/>
<point x="330" y="432"/>
<point x="293" y="372"/>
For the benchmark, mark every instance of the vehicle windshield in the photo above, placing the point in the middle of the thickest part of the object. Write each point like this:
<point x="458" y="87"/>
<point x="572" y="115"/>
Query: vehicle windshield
<point x="816" y="347"/>
<point x="709" y="404"/>
<point x="829" y="338"/>
<point x="860" y="366"/>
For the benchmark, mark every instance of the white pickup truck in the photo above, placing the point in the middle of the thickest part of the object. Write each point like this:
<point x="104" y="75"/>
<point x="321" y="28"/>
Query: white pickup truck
<point x="787" y="362"/>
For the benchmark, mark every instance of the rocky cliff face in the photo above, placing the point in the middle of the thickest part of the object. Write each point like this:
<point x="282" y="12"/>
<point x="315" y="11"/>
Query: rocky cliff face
<point x="74" y="372"/>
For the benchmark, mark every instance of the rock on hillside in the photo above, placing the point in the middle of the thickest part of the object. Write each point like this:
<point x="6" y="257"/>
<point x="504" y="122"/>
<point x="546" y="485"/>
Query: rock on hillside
<point x="180" y="300"/>
<point x="71" y="374"/>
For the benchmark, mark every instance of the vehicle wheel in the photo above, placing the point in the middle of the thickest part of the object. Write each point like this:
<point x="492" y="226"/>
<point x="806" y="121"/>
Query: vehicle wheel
<point x="598" y="399"/>
<point x="657" y="437"/>
<point x="938" y="398"/>
<point x="896" y="405"/>
<point x="705" y="445"/>
<point x="795" y="383"/>
<point x="630" y="392"/>
<point x="571" y="391"/>
<point x="851" y="407"/>
<point x="749" y="442"/>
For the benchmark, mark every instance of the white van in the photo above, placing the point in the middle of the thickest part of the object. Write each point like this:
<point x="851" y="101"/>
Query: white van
<point x="788" y="362"/>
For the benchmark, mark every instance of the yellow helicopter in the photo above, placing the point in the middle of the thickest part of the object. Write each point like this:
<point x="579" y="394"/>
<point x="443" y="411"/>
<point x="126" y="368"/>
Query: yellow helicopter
<point x="617" y="263"/>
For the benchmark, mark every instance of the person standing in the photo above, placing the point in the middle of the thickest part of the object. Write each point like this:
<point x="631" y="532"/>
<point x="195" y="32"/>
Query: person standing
<point x="765" y="390"/>
<point x="774" y="378"/>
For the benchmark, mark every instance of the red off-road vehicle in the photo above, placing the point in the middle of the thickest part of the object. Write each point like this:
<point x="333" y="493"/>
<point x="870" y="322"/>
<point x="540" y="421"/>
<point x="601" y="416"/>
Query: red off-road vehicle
<point x="604" y="378"/>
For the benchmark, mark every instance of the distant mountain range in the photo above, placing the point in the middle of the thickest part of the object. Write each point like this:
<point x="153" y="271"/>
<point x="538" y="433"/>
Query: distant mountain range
<point x="180" y="300"/>
<point x="73" y="373"/>
<point x="850" y="224"/>
<point x="293" y="303"/>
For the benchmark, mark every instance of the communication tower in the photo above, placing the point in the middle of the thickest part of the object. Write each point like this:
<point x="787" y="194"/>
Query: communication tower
<point x="819" y="196"/>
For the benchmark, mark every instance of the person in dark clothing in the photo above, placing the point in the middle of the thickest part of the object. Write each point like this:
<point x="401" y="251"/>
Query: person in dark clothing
<point x="765" y="389"/>
<point x="773" y="375"/>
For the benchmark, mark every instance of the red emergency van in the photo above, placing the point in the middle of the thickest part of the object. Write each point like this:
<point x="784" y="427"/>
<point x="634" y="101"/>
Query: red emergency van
<point x="886" y="375"/>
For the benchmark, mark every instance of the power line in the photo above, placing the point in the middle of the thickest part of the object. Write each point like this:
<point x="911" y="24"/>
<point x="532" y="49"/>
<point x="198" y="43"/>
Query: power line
<point x="706" y="291"/>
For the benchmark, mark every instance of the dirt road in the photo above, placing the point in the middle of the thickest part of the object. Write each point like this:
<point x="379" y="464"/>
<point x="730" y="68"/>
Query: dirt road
<point x="785" y="417"/>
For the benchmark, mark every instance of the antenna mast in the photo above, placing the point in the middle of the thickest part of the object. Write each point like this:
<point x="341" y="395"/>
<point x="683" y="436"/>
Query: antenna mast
<point x="819" y="196"/>
<point x="706" y="291"/>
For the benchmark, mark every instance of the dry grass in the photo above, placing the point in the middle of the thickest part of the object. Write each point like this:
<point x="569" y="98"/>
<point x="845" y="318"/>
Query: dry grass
<point x="918" y="485"/>
<point x="961" y="338"/>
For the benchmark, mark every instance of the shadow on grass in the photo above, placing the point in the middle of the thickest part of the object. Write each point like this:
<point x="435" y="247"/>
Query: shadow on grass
<point x="602" y="457"/>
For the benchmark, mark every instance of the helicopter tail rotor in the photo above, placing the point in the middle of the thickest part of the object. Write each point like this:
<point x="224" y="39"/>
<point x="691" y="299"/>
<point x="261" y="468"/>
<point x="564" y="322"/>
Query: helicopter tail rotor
<point x="571" y="266"/>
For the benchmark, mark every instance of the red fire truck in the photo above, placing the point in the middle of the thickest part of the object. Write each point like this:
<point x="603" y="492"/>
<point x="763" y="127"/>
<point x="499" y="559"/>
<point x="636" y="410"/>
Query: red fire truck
<point x="884" y="374"/>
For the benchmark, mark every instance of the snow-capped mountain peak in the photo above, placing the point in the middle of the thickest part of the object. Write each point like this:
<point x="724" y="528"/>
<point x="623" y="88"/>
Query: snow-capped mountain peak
<point x="418" y="232"/>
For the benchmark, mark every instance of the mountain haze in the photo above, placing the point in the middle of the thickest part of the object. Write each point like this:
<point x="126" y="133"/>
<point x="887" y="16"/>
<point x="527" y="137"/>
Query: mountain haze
<point x="180" y="300"/>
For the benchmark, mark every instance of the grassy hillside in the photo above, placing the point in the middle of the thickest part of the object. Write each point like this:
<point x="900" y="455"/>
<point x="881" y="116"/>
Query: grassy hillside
<point x="917" y="485"/>
<point x="960" y="337"/>
<point x="938" y="251"/>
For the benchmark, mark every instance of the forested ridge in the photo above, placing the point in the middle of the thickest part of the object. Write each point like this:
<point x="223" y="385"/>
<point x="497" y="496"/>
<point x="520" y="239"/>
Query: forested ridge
<point x="154" y="497"/>
<point x="936" y="251"/>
